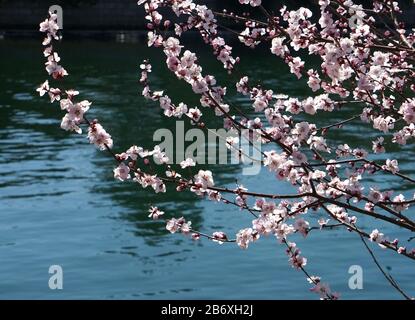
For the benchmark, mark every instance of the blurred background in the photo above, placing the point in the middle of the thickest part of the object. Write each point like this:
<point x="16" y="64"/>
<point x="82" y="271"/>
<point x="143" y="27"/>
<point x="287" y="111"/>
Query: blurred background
<point x="107" y="18"/>
<point x="59" y="203"/>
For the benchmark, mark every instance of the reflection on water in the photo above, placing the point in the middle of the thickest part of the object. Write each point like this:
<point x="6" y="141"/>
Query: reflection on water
<point x="60" y="205"/>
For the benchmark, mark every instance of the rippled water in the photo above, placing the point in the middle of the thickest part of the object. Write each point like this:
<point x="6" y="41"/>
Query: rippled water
<point x="60" y="205"/>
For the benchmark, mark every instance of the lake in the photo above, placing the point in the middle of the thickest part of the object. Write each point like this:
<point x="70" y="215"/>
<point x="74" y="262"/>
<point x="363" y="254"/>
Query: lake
<point x="60" y="205"/>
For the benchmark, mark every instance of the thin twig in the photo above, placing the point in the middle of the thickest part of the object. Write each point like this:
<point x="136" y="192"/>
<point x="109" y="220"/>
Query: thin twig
<point x="388" y="277"/>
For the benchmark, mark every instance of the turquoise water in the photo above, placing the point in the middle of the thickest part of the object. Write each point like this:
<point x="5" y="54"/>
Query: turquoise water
<point x="59" y="203"/>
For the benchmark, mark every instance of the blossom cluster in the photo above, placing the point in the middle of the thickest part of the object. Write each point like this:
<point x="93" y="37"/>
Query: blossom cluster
<point x="356" y="67"/>
<point x="75" y="111"/>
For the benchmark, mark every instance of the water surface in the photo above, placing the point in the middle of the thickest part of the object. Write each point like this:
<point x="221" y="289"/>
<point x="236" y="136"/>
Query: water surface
<point x="59" y="203"/>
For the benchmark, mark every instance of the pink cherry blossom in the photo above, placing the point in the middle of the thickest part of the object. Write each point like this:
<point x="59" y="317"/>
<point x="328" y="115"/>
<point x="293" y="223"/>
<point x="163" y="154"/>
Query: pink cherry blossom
<point x="44" y="88"/>
<point x="322" y="289"/>
<point x="219" y="237"/>
<point x="195" y="236"/>
<point x="54" y="94"/>
<point x="377" y="236"/>
<point x="173" y="225"/>
<point x="186" y="227"/>
<point x="194" y="114"/>
<point x="122" y="172"/>
<point x="301" y="226"/>
<point x="155" y="213"/>
<point x="378" y="146"/>
<point x="391" y="165"/>
<point x="253" y="3"/>
<point x="98" y="136"/>
<point x="189" y="162"/>
<point x="203" y="180"/>
<point x="245" y="236"/>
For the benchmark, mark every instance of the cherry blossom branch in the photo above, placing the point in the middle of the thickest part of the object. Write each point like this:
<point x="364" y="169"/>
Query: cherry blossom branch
<point x="387" y="276"/>
<point x="360" y="64"/>
<point x="380" y="240"/>
<point x="320" y="288"/>
<point x="338" y="124"/>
